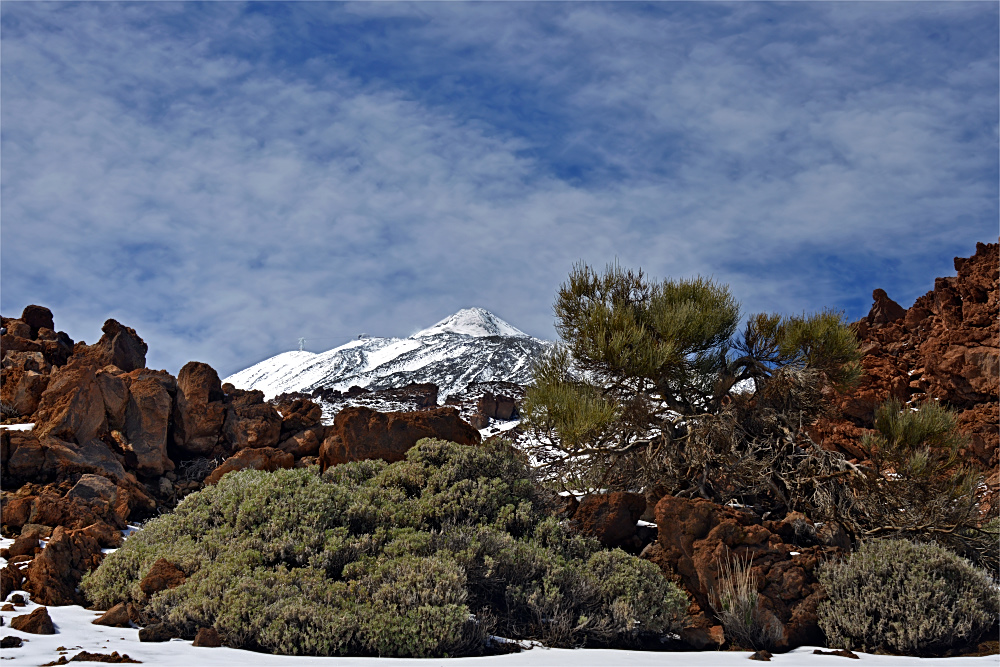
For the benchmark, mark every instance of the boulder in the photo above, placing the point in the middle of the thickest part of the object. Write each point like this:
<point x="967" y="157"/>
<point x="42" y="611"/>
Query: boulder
<point x="298" y="415"/>
<point x="696" y="537"/>
<point x="11" y="579"/>
<point x="16" y="511"/>
<point x="37" y="317"/>
<point x="10" y="343"/>
<point x="304" y="443"/>
<point x="120" y="346"/>
<point x="53" y="576"/>
<point x="884" y="310"/>
<point x="27" y="361"/>
<point x="162" y="576"/>
<point x="610" y="517"/>
<point x="27" y="392"/>
<point x="359" y="433"/>
<point x="48" y="508"/>
<point x="65" y="459"/>
<point x="157" y="632"/>
<point x="17" y="328"/>
<point x="147" y="418"/>
<point x="251" y="423"/>
<point x="72" y="407"/>
<point x="115" y="392"/>
<point x="24" y="545"/>
<point x="207" y="637"/>
<point x="116" y="617"/>
<point x="199" y="412"/>
<point x="37" y="622"/>
<point x="94" y="487"/>
<point x="259" y="458"/>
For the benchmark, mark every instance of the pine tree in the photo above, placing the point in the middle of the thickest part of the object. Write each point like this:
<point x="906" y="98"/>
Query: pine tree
<point x="653" y="386"/>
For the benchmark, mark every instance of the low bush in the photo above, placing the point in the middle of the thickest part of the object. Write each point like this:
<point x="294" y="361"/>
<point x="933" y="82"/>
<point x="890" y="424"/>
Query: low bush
<point x="424" y="557"/>
<point x="901" y="597"/>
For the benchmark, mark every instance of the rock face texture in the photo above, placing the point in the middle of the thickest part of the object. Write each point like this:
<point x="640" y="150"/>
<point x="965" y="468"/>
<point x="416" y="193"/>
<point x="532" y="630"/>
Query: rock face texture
<point x="697" y="537"/>
<point x="260" y="458"/>
<point x="359" y="433"/>
<point x="610" y="517"/>
<point x="945" y="347"/>
<point x="37" y="622"/>
<point x="199" y="411"/>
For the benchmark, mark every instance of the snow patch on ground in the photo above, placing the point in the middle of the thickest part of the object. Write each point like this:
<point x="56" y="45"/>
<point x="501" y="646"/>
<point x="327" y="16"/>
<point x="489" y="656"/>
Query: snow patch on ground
<point x="16" y="427"/>
<point x="75" y="632"/>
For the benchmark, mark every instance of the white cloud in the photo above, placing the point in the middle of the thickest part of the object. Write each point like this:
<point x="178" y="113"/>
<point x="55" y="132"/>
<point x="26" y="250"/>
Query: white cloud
<point x="225" y="204"/>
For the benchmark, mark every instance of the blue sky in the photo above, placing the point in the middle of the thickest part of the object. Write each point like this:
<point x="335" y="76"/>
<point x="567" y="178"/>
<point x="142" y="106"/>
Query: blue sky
<point x="226" y="177"/>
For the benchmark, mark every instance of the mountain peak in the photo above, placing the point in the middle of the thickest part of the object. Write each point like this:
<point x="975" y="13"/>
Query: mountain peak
<point x="476" y="322"/>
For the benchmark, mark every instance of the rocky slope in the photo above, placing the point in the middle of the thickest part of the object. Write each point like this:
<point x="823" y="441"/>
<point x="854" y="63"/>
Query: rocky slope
<point x="945" y="347"/>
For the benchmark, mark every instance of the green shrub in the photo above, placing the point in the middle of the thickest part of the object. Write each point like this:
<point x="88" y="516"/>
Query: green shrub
<point x="901" y="597"/>
<point x="423" y="557"/>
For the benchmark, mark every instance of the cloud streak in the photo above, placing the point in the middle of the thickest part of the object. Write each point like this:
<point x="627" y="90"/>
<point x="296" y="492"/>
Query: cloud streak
<point x="227" y="178"/>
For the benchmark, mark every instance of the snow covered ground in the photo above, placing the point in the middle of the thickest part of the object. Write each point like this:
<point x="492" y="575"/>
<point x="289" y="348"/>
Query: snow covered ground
<point x="75" y="633"/>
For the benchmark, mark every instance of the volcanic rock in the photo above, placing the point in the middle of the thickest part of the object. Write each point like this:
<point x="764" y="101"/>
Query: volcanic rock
<point x="16" y="328"/>
<point x="158" y="632"/>
<point x="162" y="576"/>
<point x="53" y="576"/>
<point x="298" y="415"/>
<point x="120" y="346"/>
<point x="37" y="622"/>
<point x="359" y="433"/>
<point x="147" y="417"/>
<point x="199" y="412"/>
<point x="946" y="348"/>
<point x="24" y="545"/>
<point x="11" y="579"/>
<point x="94" y="488"/>
<point x="72" y="407"/>
<point x="37" y="317"/>
<point x="207" y="637"/>
<point x="115" y="392"/>
<point x="116" y="617"/>
<point x="304" y="443"/>
<point x="610" y="517"/>
<point x="250" y="422"/>
<point x="696" y="538"/>
<point x="258" y="458"/>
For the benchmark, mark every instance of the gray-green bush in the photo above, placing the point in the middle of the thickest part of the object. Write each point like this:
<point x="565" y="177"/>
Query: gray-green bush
<point x="424" y="557"/>
<point x="902" y="597"/>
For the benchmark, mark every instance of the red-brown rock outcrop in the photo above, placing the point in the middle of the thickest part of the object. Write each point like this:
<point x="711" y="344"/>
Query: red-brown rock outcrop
<point x="258" y="458"/>
<point x="358" y="433"/>
<point x="945" y="347"/>
<point x="120" y="346"/>
<point x="53" y="576"/>
<point x="162" y="576"/>
<point x="199" y="411"/>
<point x="37" y="622"/>
<point x="696" y="538"/>
<point x="610" y="517"/>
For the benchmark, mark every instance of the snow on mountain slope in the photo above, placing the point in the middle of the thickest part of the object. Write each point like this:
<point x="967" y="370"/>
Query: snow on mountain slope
<point x="473" y="345"/>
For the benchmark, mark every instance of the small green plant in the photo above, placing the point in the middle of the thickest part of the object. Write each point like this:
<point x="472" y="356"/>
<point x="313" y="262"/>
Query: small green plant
<point x="424" y="557"/>
<point x="918" y="487"/>
<point x="902" y="597"/>
<point x="737" y="605"/>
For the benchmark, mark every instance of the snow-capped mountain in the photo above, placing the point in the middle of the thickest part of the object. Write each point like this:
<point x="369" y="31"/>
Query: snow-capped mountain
<point x="473" y="345"/>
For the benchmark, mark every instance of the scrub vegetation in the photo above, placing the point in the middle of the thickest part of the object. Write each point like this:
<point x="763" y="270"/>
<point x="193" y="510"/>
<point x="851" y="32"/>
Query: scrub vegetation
<point x="429" y="556"/>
